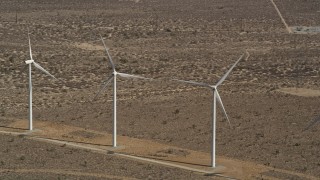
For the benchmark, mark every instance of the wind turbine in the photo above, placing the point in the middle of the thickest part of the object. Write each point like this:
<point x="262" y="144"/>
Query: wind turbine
<point x="104" y="85"/>
<point x="216" y="96"/>
<point x="30" y="62"/>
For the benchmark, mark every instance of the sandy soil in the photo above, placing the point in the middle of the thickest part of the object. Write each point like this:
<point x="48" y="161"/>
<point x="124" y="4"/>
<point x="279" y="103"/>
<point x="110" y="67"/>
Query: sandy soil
<point x="28" y="159"/>
<point x="137" y="149"/>
<point x="268" y="97"/>
<point x="301" y="92"/>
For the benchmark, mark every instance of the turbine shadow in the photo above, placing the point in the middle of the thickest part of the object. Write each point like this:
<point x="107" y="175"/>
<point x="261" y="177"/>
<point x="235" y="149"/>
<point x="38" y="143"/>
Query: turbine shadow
<point x="313" y="123"/>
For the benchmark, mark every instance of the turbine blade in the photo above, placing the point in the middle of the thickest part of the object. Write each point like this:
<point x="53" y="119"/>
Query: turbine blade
<point x="103" y="87"/>
<point x="43" y="70"/>
<point x="110" y="59"/>
<point x="132" y="76"/>
<point x="225" y="76"/>
<point x="30" y="45"/>
<point x="224" y="110"/>
<point x="193" y="83"/>
<point x="313" y="123"/>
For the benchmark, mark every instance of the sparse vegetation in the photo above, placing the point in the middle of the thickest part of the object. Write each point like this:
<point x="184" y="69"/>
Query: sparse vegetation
<point x="184" y="39"/>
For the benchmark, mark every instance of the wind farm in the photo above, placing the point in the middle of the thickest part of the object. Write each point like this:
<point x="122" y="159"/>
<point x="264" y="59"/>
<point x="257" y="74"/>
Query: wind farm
<point x="140" y="101"/>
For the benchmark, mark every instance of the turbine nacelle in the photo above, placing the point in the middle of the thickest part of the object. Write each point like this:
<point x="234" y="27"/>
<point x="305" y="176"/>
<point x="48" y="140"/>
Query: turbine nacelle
<point x="29" y="61"/>
<point x="214" y="87"/>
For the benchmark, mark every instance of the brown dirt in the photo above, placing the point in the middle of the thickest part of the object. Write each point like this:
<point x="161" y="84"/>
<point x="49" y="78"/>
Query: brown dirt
<point x="301" y="92"/>
<point x="90" y="47"/>
<point x="175" y="156"/>
<point x="183" y="39"/>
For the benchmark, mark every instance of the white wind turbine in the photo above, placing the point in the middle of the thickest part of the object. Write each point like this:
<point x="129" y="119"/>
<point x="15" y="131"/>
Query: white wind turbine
<point x="216" y="96"/>
<point x="30" y="62"/>
<point x="104" y="86"/>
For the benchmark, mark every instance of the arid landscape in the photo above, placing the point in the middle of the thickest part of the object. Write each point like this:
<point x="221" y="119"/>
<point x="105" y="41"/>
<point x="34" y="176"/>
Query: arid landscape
<point x="270" y="98"/>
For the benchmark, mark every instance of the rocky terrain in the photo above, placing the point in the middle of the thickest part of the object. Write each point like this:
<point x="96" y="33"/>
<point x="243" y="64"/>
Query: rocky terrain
<point x="163" y="40"/>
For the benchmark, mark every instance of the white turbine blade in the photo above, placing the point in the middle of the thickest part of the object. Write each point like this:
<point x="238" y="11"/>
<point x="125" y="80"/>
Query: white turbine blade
<point x="224" y="110"/>
<point x="103" y="87"/>
<point x="30" y="45"/>
<point x="193" y="83"/>
<point x="225" y="76"/>
<point x="131" y="76"/>
<point x="110" y="59"/>
<point x="43" y="70"/>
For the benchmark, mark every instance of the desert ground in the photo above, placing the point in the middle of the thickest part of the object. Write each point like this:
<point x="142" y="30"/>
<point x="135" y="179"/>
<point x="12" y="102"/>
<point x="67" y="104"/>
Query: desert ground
<point x="270" y="98"/>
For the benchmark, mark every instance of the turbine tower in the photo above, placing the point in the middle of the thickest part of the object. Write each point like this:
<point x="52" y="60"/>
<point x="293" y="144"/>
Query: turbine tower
<point x="30" y="62"/>
<point x="104" y="85"/>
<point x="216" y="97"/>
